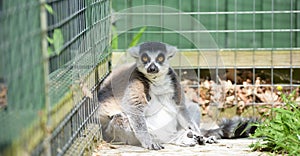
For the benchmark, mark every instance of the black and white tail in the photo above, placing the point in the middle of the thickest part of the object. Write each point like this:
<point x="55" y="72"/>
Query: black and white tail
<point x="236" y="127"/>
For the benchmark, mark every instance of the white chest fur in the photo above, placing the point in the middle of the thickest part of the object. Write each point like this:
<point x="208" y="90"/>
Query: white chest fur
<point x="161" y="110"/>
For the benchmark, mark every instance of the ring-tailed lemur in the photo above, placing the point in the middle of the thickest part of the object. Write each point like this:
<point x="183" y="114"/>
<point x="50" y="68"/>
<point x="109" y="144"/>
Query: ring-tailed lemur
<point x="143" y="103"/>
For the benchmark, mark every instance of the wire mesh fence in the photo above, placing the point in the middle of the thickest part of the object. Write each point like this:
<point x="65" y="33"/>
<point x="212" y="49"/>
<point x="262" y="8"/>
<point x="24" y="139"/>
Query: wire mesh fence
<point x="54" y="54"/>
<point x="234" y="24"/>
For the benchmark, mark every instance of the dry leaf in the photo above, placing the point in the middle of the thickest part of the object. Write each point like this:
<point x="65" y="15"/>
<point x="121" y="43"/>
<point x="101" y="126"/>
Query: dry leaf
<point x="3" y="95"/>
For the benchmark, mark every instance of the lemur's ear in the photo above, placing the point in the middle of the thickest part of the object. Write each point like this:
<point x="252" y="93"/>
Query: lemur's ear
<point x="171" y="51"/>
<point x="134" y="51"/>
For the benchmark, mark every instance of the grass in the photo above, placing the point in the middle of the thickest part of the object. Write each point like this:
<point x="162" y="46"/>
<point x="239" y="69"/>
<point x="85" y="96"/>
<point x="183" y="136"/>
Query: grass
<point x="280" y="133"/>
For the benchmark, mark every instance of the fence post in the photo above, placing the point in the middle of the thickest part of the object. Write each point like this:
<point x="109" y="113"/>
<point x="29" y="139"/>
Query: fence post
<point x="44" y="45"/>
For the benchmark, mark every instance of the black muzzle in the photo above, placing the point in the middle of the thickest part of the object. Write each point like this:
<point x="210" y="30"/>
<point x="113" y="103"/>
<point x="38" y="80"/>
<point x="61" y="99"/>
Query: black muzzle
<point x="152" y="69"/>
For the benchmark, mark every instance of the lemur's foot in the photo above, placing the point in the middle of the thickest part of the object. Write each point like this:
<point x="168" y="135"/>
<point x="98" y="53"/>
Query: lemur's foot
<point x="151" y="145"/>
<point x="211" y="140"/>
<point x="186" y="138"/>
<point x="200" y="140"/>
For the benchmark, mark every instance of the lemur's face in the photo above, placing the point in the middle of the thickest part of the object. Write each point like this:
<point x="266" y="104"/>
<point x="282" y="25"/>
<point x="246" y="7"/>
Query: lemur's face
<point x="152" y="58"/>
<point x="152" y="62"/>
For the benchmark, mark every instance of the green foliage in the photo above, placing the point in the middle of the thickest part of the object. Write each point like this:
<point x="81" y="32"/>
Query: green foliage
<point x="281" y="132"/>
<point x="58" y="40"/>
<point x="49" y="9"/>
<point x="137" y="37"/>
<point x="114" y="42"/>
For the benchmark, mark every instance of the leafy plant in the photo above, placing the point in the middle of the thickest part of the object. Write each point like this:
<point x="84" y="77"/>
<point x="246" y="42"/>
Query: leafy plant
<point x="281" y="132"/>
<point x="114" y="42"/>
<point x="136" y="38"/>
<point x="57" y="39"/>
<point x="49" y="8"/>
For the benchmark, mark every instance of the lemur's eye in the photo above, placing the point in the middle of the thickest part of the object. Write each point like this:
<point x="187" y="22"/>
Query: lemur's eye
<point x="160" y="59"/>
<point x="145" y="58"/>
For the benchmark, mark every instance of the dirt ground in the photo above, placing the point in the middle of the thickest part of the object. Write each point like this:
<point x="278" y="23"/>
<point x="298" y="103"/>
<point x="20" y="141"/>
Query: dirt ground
<point x="225" y="147"/>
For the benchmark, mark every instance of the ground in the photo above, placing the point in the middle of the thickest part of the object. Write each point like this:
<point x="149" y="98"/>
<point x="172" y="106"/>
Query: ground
<point x="225" y="147"/>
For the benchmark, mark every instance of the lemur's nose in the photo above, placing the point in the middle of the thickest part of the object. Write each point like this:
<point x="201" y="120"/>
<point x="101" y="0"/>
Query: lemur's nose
<point x="152" y="68"/>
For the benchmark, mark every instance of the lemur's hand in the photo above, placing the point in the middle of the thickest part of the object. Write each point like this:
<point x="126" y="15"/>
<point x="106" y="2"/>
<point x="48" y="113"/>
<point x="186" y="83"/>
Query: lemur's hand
<point x="152" y="145"/>
<point x="139" y="126"/>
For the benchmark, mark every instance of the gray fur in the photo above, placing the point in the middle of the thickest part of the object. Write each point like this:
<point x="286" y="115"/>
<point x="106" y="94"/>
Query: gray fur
<point x="146" y="107"/>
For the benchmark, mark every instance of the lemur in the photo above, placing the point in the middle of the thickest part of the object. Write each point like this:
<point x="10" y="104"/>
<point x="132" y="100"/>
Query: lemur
<point x="143" y="104"/>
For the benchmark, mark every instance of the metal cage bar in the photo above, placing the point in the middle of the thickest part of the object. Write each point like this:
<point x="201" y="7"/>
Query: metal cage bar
<point x="76" y="70"/>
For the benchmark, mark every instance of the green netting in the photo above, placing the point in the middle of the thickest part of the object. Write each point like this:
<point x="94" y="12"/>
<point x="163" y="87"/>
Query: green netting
<point x="85" y="30"/>
<point x="80" y="60"/>
<point x="77" y="40"/>
<point x="21" y="67"/>
<point x="268" y="23"/>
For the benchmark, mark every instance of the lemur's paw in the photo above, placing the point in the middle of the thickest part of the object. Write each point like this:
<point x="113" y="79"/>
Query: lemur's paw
<point x="211" y="140"/>
<point x="201" y="140"/>
<point x="154" y="146"/>
<point x="189" y="138"/>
